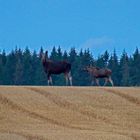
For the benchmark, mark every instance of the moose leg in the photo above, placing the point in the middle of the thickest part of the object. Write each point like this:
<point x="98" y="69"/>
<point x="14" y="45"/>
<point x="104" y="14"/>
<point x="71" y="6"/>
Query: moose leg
<point x="111" y="81"/>
<point x="92" y="82"/>
<point x="49" y="80"/>
<point x="67" y="78"/>
<point x="106" y="80"/>
<point x="97" y="82"/>
<point x="70" y="78"/>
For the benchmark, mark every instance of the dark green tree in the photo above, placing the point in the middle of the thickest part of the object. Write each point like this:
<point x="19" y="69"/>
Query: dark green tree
<point x="40" y="75"/>
<point x="53" y="55"/>
<point x="100" y="62"/>
<point x="65" y="55"/>
<point x="18" y="75"/>
<point x="9" y="69"/>
<point x="106" y="58"/>
<point x="59" y="53"/>
<point x="124" y="65"/>
<point x="72" y="60"/>
<point x="135" y="69"/>
<point x="84" y="59"/>
<point x="27" y="67"/>
<point x="113" y="64"/>
<point x="3" y="60"/>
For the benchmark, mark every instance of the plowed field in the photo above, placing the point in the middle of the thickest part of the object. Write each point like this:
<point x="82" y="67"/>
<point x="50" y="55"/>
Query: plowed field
<point x="69" y="113"/>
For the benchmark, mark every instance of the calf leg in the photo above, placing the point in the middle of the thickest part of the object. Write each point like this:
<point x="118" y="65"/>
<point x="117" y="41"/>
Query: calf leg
<point x="111" y="81"/>
<point x="70" y="78"/>
<point x="92" y="82"/>
<point x="49" y="80"/>
<point x="106" y="80"/>
<point x="97" y="82"/>
<point x="67" y="78"/>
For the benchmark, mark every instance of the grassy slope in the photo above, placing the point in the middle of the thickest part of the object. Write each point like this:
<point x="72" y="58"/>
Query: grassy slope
<point x="69" y="113"/>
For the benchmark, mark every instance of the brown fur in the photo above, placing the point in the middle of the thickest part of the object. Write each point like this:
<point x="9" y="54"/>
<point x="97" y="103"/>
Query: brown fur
<point x="97" y="73"/>
<point x="56" y="67"/>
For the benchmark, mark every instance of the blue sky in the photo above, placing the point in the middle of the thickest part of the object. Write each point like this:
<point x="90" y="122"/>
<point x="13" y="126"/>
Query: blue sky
<point x="95" y="24"/>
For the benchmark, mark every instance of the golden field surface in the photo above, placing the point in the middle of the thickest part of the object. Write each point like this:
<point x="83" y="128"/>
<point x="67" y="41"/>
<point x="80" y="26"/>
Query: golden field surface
<point x="69" y="113"/>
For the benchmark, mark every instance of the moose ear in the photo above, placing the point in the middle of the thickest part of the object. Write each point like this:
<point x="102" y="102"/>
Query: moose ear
<point x="46" y="52"/>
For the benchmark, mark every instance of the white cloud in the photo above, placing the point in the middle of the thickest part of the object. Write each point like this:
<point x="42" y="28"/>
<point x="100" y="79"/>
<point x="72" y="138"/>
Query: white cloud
<point x="98" y="42"/>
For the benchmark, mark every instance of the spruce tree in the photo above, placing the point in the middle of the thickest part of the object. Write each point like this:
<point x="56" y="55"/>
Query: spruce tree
<point x="40" y="76"/>
<point x="124" y="64"/>
<point x="84" y="59"/>
<point x="53" y="55"/>
<point x="72" y="60"/>
<point x="9" y="69"/>
<point x="1" y="70"/>
<point x="18" y="75"/>
<point x="59" y="53"/>
<point x="3" y="60"/>
<point x="135" y="69"/>
<point x="106" y="58"/>
<point x="100" y="61"/>
<point x="113" y="64"/>
<point x="35" y="66"/>
<point x="27" y="66"/>
<point x="65" y="55"/>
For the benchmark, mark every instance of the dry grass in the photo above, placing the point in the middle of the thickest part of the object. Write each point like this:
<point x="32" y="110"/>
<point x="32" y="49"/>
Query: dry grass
<point x="69" y="113"/>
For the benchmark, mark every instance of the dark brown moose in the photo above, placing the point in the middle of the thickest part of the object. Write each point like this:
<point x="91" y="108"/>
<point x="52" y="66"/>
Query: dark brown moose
<point x="56" y="67"/>
<point x="97" y="73"/>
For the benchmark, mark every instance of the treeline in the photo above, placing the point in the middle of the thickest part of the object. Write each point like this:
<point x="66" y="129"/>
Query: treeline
<point x="25" y="68"/>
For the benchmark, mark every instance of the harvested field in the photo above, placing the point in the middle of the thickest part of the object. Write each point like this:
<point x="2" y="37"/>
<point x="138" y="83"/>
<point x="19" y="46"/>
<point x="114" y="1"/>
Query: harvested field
<point x="69" y="113"/>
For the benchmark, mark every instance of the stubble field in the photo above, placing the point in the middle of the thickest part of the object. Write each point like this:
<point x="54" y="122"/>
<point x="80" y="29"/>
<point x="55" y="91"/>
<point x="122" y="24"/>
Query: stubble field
<point x="69" y="113"/>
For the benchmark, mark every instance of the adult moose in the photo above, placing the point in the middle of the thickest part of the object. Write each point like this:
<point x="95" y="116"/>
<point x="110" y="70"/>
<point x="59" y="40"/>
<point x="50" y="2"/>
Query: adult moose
<point x="97" y="73"/>
<point x="56" y="67"/>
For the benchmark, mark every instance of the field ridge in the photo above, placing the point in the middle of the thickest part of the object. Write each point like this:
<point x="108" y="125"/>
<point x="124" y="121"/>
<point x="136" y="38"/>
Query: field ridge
<point x="72" y="113"/>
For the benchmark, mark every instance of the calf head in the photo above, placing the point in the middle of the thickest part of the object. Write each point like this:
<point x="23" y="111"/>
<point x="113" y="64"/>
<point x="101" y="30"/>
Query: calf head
<point x="87" y="69"/>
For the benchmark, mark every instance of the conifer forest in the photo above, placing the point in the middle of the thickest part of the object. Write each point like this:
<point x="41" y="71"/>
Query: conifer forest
<point x="23" y="67"/>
